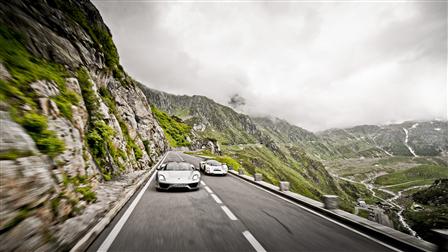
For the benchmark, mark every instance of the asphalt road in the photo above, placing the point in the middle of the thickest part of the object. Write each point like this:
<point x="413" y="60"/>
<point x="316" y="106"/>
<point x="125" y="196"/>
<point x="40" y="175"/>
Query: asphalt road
<point x="226" y="214"/>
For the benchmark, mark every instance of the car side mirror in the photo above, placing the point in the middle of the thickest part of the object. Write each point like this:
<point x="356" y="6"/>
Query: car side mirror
<point x="162" y="166"/>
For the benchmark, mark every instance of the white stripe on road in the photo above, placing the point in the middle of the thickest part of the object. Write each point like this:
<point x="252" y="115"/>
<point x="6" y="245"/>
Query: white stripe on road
<point x="216" y="198"/>
<point x="326" y="218"/>
<point x="208" y="189"/>
<point x="229" y="213"/>
<point x="202" y="183"/>
<point x="257" y="246"/>
<point x="181" y="159"/>
<point x="116" y="230"/>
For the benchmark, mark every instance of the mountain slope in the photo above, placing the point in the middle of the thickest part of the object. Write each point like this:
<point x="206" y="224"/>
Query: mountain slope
<point x="429" y="138"/>
<point x="208" y="118"/>
<point x="71" y="120"/>
<point x="272" y="147"/>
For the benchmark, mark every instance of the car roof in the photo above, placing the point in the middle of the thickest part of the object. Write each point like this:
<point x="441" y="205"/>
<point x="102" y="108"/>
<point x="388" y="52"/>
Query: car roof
<point x="212" y="161"/>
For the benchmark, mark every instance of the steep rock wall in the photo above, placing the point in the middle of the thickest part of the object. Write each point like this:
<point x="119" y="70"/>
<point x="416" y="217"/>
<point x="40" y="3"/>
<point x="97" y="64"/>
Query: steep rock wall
<point x="75" y="129"/>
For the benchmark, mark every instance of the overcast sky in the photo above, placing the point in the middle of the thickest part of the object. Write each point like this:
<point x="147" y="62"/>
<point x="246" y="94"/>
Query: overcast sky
<point x="317" y="65"/>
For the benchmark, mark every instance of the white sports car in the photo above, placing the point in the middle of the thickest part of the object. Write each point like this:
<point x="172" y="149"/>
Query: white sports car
<point x="213" y="167"/>
<point x="177" y="175"/>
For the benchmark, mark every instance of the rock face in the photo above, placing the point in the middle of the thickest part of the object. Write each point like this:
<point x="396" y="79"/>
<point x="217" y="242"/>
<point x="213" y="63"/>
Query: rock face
<point x="75" y="129"/>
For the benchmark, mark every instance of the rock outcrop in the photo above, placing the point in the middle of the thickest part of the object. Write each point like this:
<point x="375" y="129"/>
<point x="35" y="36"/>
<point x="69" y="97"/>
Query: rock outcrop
<point x="76" y="131"/>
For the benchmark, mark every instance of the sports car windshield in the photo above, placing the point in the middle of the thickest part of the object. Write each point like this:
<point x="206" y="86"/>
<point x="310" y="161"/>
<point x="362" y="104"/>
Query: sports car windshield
<point x="213" y="163"/>
<point x="178" y="167"/>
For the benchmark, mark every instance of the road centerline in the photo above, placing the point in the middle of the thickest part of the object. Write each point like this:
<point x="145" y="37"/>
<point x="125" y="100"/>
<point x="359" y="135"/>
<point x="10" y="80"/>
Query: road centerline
<point x="202" y="183"/>
<point x="229" y="213"/>
<point x="208" y="189"/>
<point x="257" y="246"/>
<point x="216" y="198"/>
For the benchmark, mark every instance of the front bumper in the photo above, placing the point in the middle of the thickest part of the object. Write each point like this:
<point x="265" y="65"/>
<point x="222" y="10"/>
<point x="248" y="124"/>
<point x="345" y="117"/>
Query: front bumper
<point x="168" y="186"/>
<point x="217" y="172"/>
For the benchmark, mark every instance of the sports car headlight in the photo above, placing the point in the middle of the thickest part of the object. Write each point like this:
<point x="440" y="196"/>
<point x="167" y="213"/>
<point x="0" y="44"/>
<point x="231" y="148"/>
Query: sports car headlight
<point x="161" y="177"/>
<point x="195" y="177"/>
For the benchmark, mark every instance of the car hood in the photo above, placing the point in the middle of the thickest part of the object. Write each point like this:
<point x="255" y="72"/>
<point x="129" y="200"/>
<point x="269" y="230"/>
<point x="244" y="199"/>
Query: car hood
<point x="178" y="176"/>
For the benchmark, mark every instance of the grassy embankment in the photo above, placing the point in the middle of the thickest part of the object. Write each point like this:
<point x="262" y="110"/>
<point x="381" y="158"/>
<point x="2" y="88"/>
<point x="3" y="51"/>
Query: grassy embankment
<point x="175" y="130"/>
<point x="415" y="176"/>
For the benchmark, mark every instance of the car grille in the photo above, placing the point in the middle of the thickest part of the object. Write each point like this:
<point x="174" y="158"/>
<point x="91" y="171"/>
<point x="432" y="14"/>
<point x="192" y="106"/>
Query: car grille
<point x="162" y="185"/>
<point x="193" y="185"/>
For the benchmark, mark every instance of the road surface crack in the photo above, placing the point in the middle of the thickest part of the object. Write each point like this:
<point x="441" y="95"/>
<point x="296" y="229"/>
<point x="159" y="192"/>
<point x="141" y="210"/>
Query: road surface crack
<point x="281" y="223"/>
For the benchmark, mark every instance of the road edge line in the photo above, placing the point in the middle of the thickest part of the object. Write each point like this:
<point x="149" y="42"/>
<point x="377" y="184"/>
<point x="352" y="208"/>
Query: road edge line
<point x="96" y="230"/>
<point x="394" y="242"/>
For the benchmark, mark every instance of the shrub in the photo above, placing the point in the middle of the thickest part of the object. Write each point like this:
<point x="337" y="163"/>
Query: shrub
<point x="98" y="138"/>
<point x="64" y="106"/>
<point x="87" y="193"/>
<point x="14" y="154"/>
<point x="46" y="140"/>
<point x="49" y="143"/>
<point x="34" y="122"/>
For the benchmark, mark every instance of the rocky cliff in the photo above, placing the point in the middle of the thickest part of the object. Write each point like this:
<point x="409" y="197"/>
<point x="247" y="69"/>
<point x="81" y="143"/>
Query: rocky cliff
<point x="75" y="128"/>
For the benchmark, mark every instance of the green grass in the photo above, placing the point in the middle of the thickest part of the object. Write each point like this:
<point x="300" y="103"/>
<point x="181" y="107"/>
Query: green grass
<point x="65" y="100"/>
<point x="46" y="140"/>
<point x="175" y="130"/>
<point x="418" y="173"/>
<point x="81" y="184"/>
<point x="15" y="154"/>
<point x="411" y="184"/>
<point x="363" y="213"/>
<point x="24" y="69"/>
<point x="99" y="134"/>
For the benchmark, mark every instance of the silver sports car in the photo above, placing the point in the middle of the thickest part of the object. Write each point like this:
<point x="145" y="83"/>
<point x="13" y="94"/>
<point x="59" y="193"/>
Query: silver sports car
<point x="177" y="175"/>
<point x="213" y="167"/>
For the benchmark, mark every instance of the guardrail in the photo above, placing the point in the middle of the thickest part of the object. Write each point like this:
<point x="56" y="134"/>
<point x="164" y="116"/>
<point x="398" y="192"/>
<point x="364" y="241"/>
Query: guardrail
<point x="330" y="209"/>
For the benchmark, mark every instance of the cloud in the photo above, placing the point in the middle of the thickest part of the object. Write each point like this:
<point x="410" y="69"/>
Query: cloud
<point x="330" y="64"/>
<point x="236" y="101"/>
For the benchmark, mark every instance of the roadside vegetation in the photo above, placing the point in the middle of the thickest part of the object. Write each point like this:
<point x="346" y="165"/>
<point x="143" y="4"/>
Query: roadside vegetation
<point x="306" y="176"/>
<point x="434" y="212"/>
<point x="176" y="132"/>
<point x="421" y="174"/>
<point x="99" y="134"/>
<point x="24" y="68"/>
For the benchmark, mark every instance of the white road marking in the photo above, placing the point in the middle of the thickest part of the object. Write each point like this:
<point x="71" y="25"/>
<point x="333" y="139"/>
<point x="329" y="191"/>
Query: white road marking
<point x="216" y="198"/>
<point x="257" y="246"/>
<point x="181" y="159"/>
<point x="116" y="230"/>
<point x="202" y="183"/>
<point x="327" y="218"/>
<point x="229" y="213"/>
<point x="208" y="189"/>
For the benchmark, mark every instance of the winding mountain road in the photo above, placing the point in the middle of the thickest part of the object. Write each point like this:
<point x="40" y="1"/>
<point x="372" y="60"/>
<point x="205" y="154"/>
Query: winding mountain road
<point x="225" y="214"/>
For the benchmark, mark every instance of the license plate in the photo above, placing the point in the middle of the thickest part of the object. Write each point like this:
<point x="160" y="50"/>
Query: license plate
<point x="179" y="185"/>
